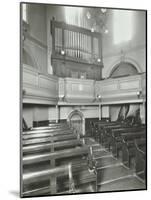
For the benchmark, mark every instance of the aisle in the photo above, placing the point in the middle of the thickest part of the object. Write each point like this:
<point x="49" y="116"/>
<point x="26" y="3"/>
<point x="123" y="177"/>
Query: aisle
<point x="112" y="175"/>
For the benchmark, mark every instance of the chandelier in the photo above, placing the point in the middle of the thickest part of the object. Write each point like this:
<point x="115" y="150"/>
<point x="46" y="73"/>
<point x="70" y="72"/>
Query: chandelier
<point x="97" y="18"/>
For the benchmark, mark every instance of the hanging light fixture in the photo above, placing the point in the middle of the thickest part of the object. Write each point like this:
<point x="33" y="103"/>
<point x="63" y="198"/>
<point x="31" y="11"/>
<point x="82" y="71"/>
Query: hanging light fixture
<point x="88" y="15"/>
<point x="103" y="10"/>
<point x="97" y="19"/>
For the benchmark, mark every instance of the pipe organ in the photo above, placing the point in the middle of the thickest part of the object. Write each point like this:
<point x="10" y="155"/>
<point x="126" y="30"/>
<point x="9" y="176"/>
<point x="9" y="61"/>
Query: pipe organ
<point x="76" y="44"/>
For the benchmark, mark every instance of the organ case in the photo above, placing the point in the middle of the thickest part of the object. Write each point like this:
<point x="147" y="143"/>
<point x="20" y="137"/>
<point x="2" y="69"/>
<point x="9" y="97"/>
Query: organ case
<point x="76" y="49"/>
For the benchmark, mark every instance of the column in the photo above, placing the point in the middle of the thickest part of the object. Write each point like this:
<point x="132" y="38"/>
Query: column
<point x="100" y="111"/>
<point x="57" y="113"/>
<point x="142" y="112"/>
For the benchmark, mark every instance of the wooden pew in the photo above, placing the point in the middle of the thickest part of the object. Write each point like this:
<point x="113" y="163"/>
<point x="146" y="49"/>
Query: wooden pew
<point x="47" y="131"/>
<point x="94" y="125"/>
<point x="111" y="134"/>
<point x="140" y="159"/>
<point x="36" y="158"/>
<point x="117" y="140"/>
<point x="81" y="176"/>
<point x="64" y="154"/>
<point x="100" y="126"/>
<point x="128" y="146"/>
<point x="50" y="138"/>
<point x="39" y="176"/>
<point x="51" y="126"/>
<point x="104" y="131"/>
<point x="48" y="146"/>
<point x="45" y="134"/>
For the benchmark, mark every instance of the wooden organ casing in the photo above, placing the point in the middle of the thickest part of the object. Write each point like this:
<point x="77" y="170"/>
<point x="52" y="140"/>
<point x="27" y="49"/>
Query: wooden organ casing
<point x="76" y="50"/>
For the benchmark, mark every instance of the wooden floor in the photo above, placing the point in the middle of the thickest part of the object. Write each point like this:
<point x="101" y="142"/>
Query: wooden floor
<point x="112" y="175"/>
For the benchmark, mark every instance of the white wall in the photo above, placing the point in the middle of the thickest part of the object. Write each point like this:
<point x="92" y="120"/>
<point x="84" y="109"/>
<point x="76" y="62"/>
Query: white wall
<point x="88" y="111"/>
<point x="35" y="113"/>
<point x="133" y="49"/>
<point x="35" y="43"/>
<point x="58" y="13"/>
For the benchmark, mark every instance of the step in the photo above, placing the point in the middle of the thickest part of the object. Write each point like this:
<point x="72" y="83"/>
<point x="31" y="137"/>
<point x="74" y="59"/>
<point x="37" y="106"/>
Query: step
<point x="97" y="148"/>
<point x="112" y="172"/>
<point x="90" y="141"/>
<point x="106" y="161"/>
<point x="99" y="154"/>
<point x="141" y="175"/>
<point x="124" y="183"/>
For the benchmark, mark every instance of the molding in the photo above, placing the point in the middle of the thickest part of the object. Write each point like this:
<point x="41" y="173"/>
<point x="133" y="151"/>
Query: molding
<point x="78" y="104"/>
<point x="117" y="61"/>
<point x="136" y="48"/>
<point x="39" y="100"/>
<point x="38" y="91"/>
<point x="122" y="101"/>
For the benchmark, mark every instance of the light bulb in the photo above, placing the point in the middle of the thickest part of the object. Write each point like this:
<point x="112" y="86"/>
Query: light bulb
<point x="92" y="30"/>
<point x="106" y="31"/>
<point x="62" y="52"/>
<point x="98" y="60"/>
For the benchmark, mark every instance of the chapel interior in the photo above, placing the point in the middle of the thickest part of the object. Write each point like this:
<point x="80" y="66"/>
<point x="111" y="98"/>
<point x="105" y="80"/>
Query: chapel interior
<point x="83" y="91"/>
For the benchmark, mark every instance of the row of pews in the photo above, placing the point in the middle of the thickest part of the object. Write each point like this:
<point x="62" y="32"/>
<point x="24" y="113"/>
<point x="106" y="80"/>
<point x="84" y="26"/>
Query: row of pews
<point x="125" y="141"/>
<point x="55" y="161"/>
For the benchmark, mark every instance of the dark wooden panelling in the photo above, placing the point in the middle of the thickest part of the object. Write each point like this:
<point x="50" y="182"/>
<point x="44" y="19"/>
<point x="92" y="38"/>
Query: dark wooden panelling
<point x="76" y="49"/>
<point x="66" y="68"/>
<point x="42" y="123"/>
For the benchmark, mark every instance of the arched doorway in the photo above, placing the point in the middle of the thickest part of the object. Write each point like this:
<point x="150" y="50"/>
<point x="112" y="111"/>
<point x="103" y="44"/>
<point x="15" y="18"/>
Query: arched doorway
<point x="77" y="121"/>
<point x="123" y="69"/>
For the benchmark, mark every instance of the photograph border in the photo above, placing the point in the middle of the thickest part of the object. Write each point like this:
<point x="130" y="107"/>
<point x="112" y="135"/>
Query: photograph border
<point x="21" y="98"/>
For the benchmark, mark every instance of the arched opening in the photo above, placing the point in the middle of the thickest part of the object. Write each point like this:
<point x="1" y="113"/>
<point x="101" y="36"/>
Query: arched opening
<point x="123" y="69"/>
<point x="77" y="121"/>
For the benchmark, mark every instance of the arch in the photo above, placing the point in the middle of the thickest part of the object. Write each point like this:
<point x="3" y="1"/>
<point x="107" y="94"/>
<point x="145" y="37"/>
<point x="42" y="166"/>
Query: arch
<point x="126" y="60"/>
<point x="123" y="68"/>
<point x="74" y="112"/>
<point x="80" y="115"/>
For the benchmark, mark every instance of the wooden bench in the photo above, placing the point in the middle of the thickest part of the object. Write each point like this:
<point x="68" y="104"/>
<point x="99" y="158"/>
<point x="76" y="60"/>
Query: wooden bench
<point x="102" y="133"/>
<point x="111" y="134"/>
<point x="81" y="175"/>
<point x="36" y="158"/>
<point x="39" y="134"/>
<point x="47" y="146"/>
<point x="51" y="126"/>
<point x="52" y="174"/>
<point x="128" y="146"/>
<point x="47" y="130"/>
<point x="99" y="129"/>
<point x="105" y="134"/>
<point x="117" y="140"/>
<point x="50" y="138"/>
<point x="43" y="146"/>
<point x="140" y="159"/>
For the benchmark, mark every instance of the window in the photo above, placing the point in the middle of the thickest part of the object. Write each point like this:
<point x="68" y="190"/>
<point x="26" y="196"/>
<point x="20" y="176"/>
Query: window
<point x="123" y="23"/>
<point x="74" y="16"/>
<point x="24" y="13"/>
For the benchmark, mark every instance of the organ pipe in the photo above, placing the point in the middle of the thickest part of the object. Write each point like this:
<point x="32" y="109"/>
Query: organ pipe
<point x="77" y="44"/>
